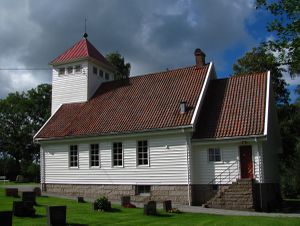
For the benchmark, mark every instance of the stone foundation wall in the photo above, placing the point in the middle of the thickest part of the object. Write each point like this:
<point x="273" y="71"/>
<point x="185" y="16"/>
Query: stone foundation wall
<point x="267" y="196"/>
<point x="201" y="193"/>
<point x="177" y="193"/>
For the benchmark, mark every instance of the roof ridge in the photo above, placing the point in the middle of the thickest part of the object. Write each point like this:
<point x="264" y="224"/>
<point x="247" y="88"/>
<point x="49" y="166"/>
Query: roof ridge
<point x="247" y="74"/>
<point x="168" y="71"/>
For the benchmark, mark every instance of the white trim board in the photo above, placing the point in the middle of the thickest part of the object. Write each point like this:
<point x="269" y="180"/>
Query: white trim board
<point x="204" y="88"/>
<point x="267" y="103"/>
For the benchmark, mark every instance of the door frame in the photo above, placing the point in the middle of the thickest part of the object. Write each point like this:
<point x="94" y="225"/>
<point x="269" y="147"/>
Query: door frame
<point x="252" y="162"/>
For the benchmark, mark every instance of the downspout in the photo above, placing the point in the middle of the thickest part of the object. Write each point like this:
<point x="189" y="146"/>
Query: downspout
<point x="43" y="188"/>
<point x="188" y="168"/>
<point x="261" y="178"/>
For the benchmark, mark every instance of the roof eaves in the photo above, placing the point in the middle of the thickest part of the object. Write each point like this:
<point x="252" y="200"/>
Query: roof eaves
<point x="34" y="137"/>
<point x="129" y="133"/>
<point x="203" y="140"/>
<point x="53" y="63"/>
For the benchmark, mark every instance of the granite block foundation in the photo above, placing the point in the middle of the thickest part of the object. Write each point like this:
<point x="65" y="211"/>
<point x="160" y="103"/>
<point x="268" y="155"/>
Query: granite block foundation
<point x="176" y="193"/>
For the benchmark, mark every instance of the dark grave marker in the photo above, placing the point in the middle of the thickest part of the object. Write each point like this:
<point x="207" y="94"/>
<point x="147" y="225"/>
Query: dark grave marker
<point x="94" y="206"/>
<point x="167" y="205"/>
<point x="23" y="209"/>
<point x="150" y="208"/>
<point x="37" y="191"/>
<point x="56" y="215"/>
<point x="80" y="199"/>
<point x="11" y="192"/>
<point x="29" y="196"/>
<point x="125" y="200"/>
<point x="6" y="218"/>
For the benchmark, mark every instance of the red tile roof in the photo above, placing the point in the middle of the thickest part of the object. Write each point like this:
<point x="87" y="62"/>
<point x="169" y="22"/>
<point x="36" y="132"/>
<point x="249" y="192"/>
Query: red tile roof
<point x="143" y="103"/>
<point x="233" y="107"/>
<point x="82" y="49"/>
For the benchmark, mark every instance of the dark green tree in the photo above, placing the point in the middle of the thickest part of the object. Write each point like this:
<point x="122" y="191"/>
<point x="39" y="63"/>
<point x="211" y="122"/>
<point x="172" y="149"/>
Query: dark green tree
<point x="21" y="115"/>
<point x="286" y="29"/>
<point x="259" y="60"/>
<point x="122" y="68"/>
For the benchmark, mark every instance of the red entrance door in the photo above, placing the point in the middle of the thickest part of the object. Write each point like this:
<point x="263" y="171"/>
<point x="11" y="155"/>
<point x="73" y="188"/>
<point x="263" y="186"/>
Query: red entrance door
<point x="246" y="162"/>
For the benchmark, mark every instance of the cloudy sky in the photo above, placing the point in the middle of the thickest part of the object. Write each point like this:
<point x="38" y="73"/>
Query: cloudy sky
<point x="151" y="34"/>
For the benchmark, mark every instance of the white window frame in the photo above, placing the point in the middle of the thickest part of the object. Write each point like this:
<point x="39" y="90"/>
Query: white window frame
<point x="61" y="71"/>
<point x="69" y="67"/>
<point x="214" y="149"/>
<point x="113" y="155"/>
<point x="90" y="154"/>
<point x="101" y="73"/>
<point x="95" y="70"/>
<point x="106" y="76"/>
<point x="72" y="155"/>
<point x="77" y="69"/>
<point x="137" y="154"/>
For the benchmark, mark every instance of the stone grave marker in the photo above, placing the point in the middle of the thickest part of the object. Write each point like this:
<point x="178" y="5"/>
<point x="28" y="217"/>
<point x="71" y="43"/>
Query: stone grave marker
<point x="6" y="218"/>
<point x="125" y="200"/>
<point x="80" y="200"/>
<point x="56" y="215"/>
<point x="150" y="208"/>
<point x="11" y="192"/>
<point x="23" y="209"/>
<point x="29" y="196"/>
<point x="37" y="191"/>
<point x="167" y="205"/>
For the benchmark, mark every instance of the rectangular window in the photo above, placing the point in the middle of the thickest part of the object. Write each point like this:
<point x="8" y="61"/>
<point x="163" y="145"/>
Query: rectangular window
<point x="61" y="71"/>
<point x="142" y="152"/>
<point x="95" y="70"/>
<point x="70" y="70"/>
<point x="100" y="73"/>
<point x="73" y="158"/>
<point x="214" y="155"/>
<point x="94" y="155"/>
<point x="143" y="189"/>
<point x="117" y="154"/>
<point x="106" y="76"/>
<point x="77" y="68"/>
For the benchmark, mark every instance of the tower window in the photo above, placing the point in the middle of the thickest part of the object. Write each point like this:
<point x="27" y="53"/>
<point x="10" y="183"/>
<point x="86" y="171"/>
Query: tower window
<point x="61" y="71"/>
<point x="70" y="70"/>
<point x="95" y="70"/>
<point x="100" y="73"/>
<point x="77" y="68"/>
<point x="106" y="76"/>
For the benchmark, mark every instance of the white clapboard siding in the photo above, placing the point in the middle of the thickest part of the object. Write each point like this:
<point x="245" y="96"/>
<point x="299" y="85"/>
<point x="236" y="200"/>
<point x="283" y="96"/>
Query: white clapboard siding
<point x="203" y="171"/>
<point x="95" y="80"/>
<point x="167" y="164"/>
<point x="69" y="88"/>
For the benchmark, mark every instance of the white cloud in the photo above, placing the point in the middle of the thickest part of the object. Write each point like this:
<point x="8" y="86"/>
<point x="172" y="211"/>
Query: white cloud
<point x="152" y="34"/>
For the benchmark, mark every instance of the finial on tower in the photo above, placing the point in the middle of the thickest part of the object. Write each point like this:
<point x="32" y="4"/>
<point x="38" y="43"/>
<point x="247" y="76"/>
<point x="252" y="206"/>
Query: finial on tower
<point x="85" y="35"/>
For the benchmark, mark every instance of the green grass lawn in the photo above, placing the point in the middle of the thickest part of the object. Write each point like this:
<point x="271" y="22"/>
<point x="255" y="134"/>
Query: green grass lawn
<point x="81" y="213"/>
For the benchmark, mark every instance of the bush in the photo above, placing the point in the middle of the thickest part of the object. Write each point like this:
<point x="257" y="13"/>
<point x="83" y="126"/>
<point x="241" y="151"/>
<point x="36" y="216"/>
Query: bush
<point x="102" y="204"/>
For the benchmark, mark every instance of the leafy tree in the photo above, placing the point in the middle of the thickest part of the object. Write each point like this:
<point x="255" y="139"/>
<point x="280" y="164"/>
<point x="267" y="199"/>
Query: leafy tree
<point x="21" y="115"/>
<point x="259" y="60"/>
<point x="286" y="26"/>
<point x="122" y="68"/>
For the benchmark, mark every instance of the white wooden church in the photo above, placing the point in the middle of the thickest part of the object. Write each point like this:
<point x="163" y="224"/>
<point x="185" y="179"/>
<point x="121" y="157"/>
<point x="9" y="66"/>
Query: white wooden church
<point x="182" y="135"/>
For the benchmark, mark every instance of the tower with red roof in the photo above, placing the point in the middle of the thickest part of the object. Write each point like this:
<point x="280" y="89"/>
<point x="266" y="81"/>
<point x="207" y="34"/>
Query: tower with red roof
<point x="77" y="73"/>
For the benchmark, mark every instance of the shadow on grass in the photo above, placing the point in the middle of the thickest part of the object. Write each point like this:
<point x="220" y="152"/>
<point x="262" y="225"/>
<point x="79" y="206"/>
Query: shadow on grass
<point x="74" y="224"/>
<point x="114" y="210"/>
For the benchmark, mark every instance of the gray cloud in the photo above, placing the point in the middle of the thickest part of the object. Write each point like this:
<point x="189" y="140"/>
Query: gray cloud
<point x="152" y="35"/>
